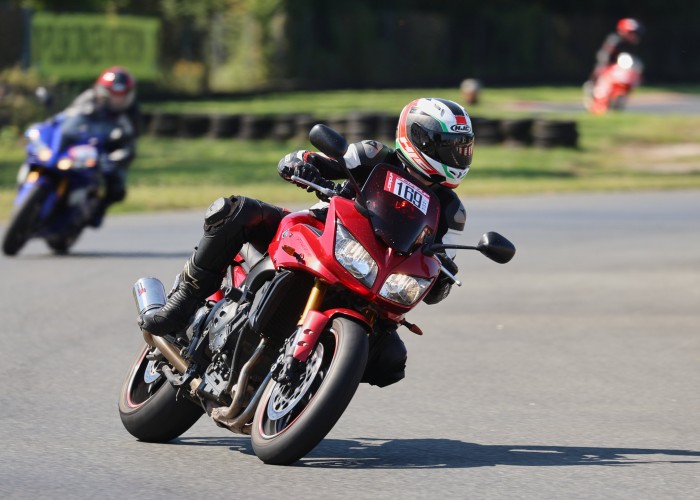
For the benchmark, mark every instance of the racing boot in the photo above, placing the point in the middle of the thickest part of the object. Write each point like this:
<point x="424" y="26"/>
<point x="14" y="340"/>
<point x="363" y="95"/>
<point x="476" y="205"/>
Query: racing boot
<point x="194" y="286"/>
<point x="98" y="215"/>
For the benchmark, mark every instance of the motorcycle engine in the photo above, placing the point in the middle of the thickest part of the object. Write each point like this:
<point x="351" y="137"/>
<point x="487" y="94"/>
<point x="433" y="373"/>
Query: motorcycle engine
<point x="224" y="319"/>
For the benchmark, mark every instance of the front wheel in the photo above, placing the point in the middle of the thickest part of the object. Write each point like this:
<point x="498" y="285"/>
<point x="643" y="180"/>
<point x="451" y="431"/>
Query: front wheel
<point x="148" y="406"/>
<point x="62" y="243"/>
<point x="24" y="220"/>
<point x="618" y="102"/>
<point x="292" y="419"/>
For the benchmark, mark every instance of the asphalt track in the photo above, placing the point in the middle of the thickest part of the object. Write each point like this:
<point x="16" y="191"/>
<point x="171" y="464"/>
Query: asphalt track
<point x="572" y="372"/>
<point x="658" y="103"/>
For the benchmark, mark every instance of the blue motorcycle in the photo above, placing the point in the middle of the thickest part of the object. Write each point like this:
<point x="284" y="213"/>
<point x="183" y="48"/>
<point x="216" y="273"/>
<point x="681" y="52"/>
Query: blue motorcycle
<point x="60" y="184"/>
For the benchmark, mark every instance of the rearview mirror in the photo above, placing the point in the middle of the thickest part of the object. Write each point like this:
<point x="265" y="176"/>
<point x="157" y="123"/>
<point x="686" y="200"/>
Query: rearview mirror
<point x="44" y="96"/>
<point x="328" y="141"/>
<point x="496" y="247"/>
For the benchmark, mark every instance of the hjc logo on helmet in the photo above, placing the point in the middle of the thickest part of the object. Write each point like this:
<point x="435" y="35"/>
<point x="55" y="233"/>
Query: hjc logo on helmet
<point x="461" y="128"/>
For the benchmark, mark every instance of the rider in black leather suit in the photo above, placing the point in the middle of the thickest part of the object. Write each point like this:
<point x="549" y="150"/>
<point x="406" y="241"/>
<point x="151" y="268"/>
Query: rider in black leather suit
<point x="437" y="157"/>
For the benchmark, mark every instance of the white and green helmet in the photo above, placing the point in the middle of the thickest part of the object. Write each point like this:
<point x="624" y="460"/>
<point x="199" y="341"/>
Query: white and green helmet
<point x="435" y="138"/>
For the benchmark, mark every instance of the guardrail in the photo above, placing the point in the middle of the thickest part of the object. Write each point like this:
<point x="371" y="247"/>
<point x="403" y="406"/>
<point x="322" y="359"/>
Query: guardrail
<point x="354" y="126"/>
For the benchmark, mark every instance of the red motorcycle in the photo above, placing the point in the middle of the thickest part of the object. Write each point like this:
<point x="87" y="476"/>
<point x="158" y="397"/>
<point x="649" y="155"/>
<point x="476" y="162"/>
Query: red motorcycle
<point x="280" y="351"/>
<point x="614" y="85"/>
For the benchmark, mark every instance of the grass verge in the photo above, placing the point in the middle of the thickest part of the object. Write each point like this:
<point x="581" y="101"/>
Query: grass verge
<point x="623" y="151"/>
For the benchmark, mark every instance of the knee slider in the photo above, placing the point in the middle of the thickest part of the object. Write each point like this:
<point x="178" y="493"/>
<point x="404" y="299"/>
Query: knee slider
<point x="115" y="188"/>
<point x="116" y="193"/>
<point x="219" y="212"/>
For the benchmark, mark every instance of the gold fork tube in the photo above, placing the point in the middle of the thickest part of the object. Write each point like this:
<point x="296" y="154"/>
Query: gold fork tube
<point x="318" y="293"/>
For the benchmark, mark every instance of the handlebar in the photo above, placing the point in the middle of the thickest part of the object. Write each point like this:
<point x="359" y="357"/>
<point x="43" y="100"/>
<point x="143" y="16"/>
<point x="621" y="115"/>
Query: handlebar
<point x="324" y="191"/>
<point x="450" y="275"/>
<point x="344" y="190"/>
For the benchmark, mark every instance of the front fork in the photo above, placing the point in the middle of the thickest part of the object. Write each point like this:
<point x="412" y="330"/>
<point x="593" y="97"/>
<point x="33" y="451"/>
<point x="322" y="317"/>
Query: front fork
<point x="289" y="364"/>
<point x="311" y="324"/>
<point x="56" y="193"/>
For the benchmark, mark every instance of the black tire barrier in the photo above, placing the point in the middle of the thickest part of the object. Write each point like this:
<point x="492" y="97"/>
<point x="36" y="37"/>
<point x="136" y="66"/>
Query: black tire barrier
<point x="192" y="126"/>
<point x="554" y="133"/>
<point x="386" y="128"/>
<point x="145" y="122"/>
<point x="255" y="127"/>
<point x="165" y="124"/>
<point x="339" y="123"/>
<point x="487" y="130"/>
<point x="283" y="128"/>
<point x="303" y="124"/>
<point x="361" y="125"/>
<point x="224" y="126"/>
<point x="517" y="132"/>
<point x="355" y="126"/>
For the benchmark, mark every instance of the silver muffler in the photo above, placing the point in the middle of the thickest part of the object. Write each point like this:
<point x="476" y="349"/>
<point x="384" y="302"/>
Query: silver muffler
<point x="149" y="295"/>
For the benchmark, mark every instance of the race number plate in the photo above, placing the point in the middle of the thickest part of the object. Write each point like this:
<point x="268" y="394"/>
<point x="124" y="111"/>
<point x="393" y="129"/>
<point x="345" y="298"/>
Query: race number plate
<point x="407" y="190"/>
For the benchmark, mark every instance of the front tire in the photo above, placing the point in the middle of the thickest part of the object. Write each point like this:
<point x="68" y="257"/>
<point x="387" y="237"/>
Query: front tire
<point x="63" y="243"/>
<point x="148" y="406"/>
<point x="618" y="102"/>
<point x="24" y="220"/>
<point x="292" y="419"/>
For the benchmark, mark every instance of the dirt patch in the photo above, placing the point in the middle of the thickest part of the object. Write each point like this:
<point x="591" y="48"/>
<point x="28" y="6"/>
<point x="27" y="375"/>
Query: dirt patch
<point x="667" y="158"/>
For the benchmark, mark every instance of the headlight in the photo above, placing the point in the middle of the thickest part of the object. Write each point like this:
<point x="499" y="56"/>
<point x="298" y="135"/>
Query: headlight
<point x="83" y="156"/>
<point x="44" y="153"/>
<point x="404" y="289"/>
<point x="625" y="61"/>
<point x="353" y="257"/>
<point x="65" y="164"/>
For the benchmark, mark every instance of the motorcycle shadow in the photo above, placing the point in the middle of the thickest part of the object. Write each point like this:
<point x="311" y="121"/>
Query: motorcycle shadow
<point x="372" y="453"/>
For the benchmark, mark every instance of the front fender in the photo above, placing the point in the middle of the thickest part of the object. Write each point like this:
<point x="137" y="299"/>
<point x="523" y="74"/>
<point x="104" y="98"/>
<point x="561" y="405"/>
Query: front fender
<point x="314" y="324"/>
<point x="332" y="313"/>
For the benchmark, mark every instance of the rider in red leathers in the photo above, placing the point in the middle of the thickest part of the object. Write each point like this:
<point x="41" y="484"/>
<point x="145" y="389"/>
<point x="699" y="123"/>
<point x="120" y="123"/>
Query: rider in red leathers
<point x="626" y="37"/>
<point x="434" y="142"/>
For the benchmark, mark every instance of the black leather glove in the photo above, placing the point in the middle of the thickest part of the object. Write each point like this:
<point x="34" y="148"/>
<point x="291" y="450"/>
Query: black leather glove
<point x="443" y="284"/>
<point x="346" y="190"/>
<point x="447" y="263"/>
<point x="310" y="173"/>
<point x="292" y="165"/>
<point x="287" y="165"/>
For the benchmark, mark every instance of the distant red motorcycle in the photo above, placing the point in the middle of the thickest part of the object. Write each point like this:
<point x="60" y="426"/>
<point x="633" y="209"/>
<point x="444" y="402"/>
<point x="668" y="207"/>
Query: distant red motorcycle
<point x="614" y="85"/>
<point x="281" y="352"/>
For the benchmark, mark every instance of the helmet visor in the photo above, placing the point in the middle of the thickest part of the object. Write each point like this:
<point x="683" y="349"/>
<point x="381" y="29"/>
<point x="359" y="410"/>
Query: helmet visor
<point x="119" y="102"/>
<point x="451" y="149"/>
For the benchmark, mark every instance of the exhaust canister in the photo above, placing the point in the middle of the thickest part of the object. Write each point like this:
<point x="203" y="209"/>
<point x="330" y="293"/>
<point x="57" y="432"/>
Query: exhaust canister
<point x="149" y="293"/>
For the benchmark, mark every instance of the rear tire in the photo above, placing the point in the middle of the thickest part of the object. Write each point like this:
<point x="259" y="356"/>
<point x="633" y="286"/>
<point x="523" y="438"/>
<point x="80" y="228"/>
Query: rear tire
<point x="24" y="220"/>
<point x="291" y="420"/>
<point x="148" y="406"/>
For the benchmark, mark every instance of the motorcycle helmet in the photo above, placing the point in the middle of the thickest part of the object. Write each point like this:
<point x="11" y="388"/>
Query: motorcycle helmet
<point x="630" y="28"/>
<point x="117" y="87"/>
<point x="434" y="138"/>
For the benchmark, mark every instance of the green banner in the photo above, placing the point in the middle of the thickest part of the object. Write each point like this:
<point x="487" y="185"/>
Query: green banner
<point x="80" y="46"/>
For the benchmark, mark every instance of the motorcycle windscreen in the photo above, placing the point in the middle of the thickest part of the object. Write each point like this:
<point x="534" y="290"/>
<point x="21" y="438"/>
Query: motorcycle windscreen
<point x="82" y="129"/>
<point x="403" y="213"/>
